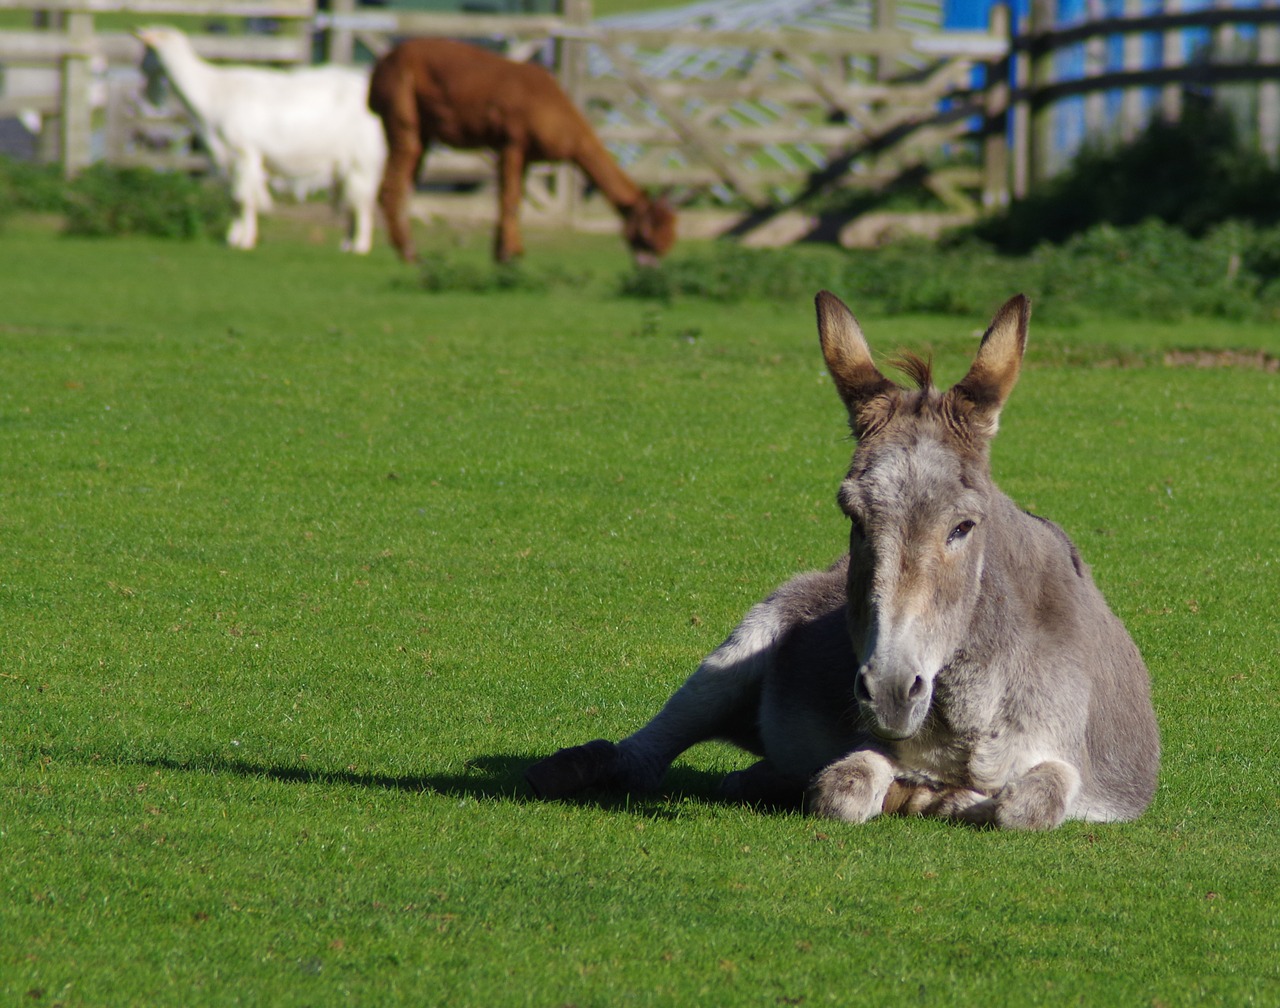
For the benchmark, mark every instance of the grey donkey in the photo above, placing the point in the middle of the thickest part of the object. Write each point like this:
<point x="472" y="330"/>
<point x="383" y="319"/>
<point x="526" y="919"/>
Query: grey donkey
<point x="958" y="662"/>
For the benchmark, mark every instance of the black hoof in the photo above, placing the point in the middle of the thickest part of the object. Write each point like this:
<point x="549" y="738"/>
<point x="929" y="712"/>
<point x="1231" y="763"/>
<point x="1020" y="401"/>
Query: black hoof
<point x="569" y="771"/>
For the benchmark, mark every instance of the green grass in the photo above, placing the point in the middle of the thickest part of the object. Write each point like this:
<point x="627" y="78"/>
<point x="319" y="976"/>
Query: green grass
<point x="302" y="565"/>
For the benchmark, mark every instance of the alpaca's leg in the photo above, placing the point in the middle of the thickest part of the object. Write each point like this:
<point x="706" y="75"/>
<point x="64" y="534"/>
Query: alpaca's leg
<point x="405" y="152"/>
<point x="511" y="166"/>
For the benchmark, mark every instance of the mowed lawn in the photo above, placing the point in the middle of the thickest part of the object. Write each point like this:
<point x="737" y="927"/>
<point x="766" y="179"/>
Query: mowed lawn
<point x="301" y="565"/>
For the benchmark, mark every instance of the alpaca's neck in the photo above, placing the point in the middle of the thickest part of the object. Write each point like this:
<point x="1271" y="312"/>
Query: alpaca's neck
<point x="616" y="185"/>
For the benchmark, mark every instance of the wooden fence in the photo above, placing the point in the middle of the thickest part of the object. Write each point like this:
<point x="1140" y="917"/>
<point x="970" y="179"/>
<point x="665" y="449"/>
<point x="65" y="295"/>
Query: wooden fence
<point x="1105" y="79"/>
<point x="797" y="115"/>
<point x="790" y="117"/>
<point x="65" y="45"/>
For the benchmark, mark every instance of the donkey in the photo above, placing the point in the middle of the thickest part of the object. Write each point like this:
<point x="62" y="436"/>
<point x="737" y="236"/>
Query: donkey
<point x="958" y="662"/>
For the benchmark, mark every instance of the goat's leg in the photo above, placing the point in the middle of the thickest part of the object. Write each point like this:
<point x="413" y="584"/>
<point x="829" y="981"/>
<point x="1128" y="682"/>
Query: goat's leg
<point x="720" y="700"/>
<point x="359" y="195"/>
<point x="511" y="168"/>
<point x="249" y="191"/>
<point x="405" y="151"/>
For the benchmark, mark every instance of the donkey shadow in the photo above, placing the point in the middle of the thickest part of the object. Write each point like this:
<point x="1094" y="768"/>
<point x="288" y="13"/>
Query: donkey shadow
<point x="494" y="777"/>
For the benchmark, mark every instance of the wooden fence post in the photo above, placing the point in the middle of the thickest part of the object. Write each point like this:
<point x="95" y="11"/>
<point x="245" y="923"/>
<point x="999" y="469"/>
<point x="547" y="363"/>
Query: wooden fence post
<point x="1020" y="122"/>
<point x="1041" y="70"/>
<point x="1173" y="46"/>
<point x="1095" y="64"/>
<point x="341" y="42"/>
<point x="1269" y="90"/>
<point x="1133" y="111"/>
<point x="572" y="65"/>
<point x="995" y="140"/>
<point x="77" y="122"/>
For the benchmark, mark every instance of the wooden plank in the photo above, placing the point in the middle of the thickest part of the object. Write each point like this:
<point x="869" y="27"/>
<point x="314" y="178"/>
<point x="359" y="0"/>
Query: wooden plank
<point x="1040" y="40"/>
<point x="617" y="92"/>
<point x="119" y="47"/>
<point x="1048" y="92"/>
<point x="213" y="8"/>
<point x="447" y="25"/>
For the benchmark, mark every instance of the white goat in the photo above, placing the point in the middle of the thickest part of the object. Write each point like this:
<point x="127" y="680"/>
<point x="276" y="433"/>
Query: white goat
<point x="307" y="127"/>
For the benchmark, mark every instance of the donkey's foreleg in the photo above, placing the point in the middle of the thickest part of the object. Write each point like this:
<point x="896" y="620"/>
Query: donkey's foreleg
<point x="720" y="700"/>
<point x="853" y="788"/>
<point x="1039" y="799"/>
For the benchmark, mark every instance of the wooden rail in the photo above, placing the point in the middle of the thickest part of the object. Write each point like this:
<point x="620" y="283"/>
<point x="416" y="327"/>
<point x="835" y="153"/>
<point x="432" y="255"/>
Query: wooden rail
<point x="1242" y="48"/>
<point x="64" y="35"/>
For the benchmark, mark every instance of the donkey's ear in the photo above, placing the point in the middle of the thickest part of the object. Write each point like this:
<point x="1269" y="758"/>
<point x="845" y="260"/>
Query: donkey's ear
<point x="995" y="370"/>
<point x="848" y="359"/>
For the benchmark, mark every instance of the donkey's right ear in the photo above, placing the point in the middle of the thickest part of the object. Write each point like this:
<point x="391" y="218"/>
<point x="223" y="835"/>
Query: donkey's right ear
<point x="848" y="359"/>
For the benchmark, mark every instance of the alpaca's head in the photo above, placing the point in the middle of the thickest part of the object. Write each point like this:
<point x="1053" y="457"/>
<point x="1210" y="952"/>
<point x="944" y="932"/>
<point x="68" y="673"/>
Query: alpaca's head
<point x="650" y="229"/>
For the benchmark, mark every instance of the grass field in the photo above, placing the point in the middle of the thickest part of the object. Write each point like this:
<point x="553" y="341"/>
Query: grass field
<point x="302" y="565"/>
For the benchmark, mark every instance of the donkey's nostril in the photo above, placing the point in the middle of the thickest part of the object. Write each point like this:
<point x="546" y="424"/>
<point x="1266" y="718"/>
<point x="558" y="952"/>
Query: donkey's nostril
<point x="860" y="691"/>
<point x="917" y="688"/>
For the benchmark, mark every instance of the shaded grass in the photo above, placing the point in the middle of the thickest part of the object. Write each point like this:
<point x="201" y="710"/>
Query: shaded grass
<point x="302" y="565"/>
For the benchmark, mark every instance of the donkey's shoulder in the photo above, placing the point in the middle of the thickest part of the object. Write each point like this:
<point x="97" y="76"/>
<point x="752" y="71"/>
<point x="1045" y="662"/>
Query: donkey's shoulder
<point x="1064" y="541"/>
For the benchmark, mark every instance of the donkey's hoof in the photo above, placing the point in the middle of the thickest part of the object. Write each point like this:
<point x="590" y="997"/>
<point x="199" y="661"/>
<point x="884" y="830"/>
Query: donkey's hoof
<point x="575" y="769"/>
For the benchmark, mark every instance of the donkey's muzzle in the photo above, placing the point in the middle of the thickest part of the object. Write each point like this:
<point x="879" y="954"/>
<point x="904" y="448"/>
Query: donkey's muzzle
<point x="896" y="705"/>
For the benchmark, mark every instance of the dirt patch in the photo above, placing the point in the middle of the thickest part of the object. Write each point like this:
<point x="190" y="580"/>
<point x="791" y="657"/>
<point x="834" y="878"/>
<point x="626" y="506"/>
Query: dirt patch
<point x="1252" y="360"/>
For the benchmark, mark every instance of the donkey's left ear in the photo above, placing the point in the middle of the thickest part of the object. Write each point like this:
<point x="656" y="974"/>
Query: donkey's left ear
<point x="995" y="370"/>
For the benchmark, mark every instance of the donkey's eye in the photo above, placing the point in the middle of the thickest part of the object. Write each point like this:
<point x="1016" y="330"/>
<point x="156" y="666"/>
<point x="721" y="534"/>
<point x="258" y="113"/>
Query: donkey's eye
<point x="960" y="531"/>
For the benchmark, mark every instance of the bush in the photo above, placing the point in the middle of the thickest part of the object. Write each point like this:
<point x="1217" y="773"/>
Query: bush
<point x="112" y="201"/>
<point x="1150" y="271"/>
<point x="39" y="188"/>
<point x="1194" y="174"/>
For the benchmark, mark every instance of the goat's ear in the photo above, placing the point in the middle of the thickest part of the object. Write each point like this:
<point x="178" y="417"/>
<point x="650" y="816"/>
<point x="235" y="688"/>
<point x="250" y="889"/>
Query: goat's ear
<point x="995" y="370"/>
<point x="849" y="362"/>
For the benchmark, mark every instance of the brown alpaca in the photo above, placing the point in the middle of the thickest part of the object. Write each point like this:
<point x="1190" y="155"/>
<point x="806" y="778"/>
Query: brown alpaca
<point x="439" y="90"/>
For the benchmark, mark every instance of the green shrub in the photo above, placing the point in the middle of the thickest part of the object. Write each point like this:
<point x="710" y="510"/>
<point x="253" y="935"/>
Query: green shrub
<point x="27" y="186"/>
<point x="1150" y="271"/>
<point x="113" y="201"/>
<point x="1193" y="174"/>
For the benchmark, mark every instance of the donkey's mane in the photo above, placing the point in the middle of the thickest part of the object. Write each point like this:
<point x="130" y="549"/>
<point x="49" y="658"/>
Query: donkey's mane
<point x="919" y="370"/>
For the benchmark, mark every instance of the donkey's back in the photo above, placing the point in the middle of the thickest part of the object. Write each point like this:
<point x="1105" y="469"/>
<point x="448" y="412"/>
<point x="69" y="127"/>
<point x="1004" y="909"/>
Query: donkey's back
<point x="959" y="661"/>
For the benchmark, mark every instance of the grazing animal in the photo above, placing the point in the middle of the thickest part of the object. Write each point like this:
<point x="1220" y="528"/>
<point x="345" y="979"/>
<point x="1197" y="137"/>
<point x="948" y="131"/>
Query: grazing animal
<point x="429" y="90"/>
<point x="307" y="127"/>
<point x="958" y="662"/>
